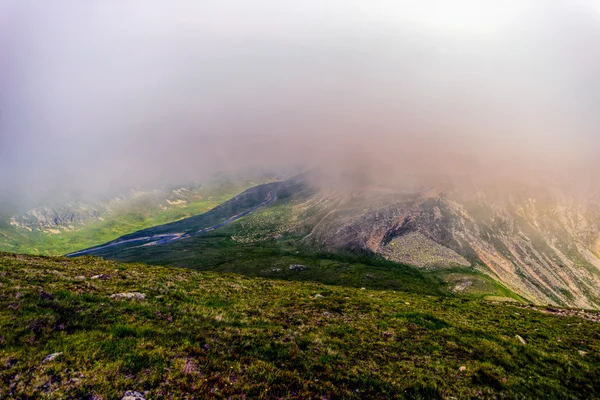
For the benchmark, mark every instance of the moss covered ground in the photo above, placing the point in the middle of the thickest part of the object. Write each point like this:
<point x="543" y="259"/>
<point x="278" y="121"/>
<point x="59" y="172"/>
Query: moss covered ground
<point x="227" y="336"/>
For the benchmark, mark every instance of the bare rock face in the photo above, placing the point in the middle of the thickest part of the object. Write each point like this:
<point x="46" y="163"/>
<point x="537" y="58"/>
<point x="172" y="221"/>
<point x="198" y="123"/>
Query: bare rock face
<point x="542" y="245"/>
<point x="56" y="217"/>
<point x="51" y="218"/>
<point x="414" y="248"/>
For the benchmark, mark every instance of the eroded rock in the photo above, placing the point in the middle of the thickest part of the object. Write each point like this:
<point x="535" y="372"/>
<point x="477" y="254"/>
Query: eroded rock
<point x="132" y="395"/>
<point x="52" y="357"/>
<point x="129" y="295"/>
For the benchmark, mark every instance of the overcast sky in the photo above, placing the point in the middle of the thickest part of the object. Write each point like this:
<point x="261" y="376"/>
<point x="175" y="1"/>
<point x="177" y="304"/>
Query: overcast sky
<point x="97" y="94"/>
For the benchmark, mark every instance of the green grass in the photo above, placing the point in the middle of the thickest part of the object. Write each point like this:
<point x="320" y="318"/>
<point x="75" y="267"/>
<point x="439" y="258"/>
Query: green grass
<point x="480" y="286"/>
<point x="222" y="335"/>
<point x="247" y="247"/>
<point x="117" y="224"/>
<point x="134" y="215"/>
<point x="242" y="202"/>
<point x="272" y="259"/>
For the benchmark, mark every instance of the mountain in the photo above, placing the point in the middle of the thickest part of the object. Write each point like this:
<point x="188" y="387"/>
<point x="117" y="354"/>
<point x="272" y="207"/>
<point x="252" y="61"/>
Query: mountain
<point x="536" y="242"/>
<point x="70" y="223"/>
<point x="87" y="328"/>
<point x="544" y="248"/>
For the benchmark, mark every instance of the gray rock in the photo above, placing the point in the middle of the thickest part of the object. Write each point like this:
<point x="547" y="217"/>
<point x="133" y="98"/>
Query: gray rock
<point x="130" y="295"/>
<point x="319" y="296"/>
<point x="51" y="357"/>
<point x="520" y="339"/>
<point x="132" y="395"/>
<point x="298" y="267"/>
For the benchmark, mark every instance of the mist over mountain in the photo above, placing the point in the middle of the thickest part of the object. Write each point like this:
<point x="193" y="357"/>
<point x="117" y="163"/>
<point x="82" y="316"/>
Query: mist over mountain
<point x="98" y="95"/>
<point x="273" y="199"/>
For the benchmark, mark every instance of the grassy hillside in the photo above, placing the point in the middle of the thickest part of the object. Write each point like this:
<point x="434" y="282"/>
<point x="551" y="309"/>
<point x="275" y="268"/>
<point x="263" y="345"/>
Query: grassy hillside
<point x="219" y="335"/>
<point x="126" y="217"/>
<point x="237" y="204"/>
<point x="118" y="223"/>
<point x="271" y="259"/>
<point x="260" y="245"/>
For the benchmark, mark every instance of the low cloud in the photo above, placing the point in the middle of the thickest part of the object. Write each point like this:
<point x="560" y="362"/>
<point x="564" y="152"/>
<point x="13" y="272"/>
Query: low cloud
<point x="97" y="95"/>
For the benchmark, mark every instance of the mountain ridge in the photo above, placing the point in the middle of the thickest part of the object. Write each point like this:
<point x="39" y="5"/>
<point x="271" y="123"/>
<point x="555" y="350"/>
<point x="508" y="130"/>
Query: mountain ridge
<point x="541" y="249"/>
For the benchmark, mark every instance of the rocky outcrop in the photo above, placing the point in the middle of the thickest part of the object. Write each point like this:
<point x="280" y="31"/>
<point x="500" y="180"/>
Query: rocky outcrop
<point x="51" y="218"/>
<point x="542" y="246"/>
<point x="54" y="218"/>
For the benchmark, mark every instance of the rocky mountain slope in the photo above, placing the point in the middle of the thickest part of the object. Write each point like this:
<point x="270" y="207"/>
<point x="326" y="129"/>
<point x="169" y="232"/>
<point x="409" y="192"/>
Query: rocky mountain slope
<point x="539" y="244"/>
<point x="544" y="249"/>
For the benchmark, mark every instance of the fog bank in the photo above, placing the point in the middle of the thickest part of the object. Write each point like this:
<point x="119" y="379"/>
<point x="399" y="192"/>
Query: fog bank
<point x="99" y="94"/>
